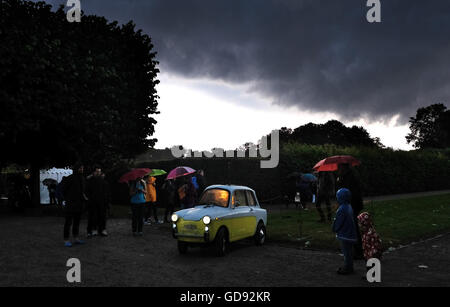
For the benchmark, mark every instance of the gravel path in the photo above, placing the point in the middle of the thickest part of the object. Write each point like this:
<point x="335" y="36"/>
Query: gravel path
<point x="32" y="254"/>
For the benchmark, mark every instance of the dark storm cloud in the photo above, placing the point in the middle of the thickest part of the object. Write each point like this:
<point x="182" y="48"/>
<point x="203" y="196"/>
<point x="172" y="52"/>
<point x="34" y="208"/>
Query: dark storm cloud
<point x="320" y="55"/>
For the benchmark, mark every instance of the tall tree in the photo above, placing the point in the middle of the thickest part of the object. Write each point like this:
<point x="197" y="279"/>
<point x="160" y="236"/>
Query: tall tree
<point x="73" y="91"/>
<point x="430" y="128"/>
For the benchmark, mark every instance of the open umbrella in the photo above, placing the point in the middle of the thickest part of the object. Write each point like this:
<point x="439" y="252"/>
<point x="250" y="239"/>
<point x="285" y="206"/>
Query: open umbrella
<point x="180" y="171"/>
<point x="134" y="174"/>
<point x="331" y="164"/>
<point x="157" y="172"/>
<point x="309" y="177"/>
<point x="49" y="181"/>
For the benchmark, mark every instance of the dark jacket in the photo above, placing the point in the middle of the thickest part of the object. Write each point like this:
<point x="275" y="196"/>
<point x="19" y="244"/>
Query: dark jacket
<point x="201" y="181"/>
<point x="349" y="181"/>
<point x="75" y="193"/>
<point x="344" y="223"/>
<point x="325" y="185"/>
<point x="97" y="190"/>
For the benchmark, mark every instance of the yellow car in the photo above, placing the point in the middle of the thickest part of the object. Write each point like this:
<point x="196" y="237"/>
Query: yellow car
<point x="224" y="214"/>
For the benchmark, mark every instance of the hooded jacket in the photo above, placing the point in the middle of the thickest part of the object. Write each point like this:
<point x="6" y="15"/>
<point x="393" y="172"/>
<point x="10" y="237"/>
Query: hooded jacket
<point x="344" y="223"/>
<point x="150" y="196"/>
<point x="370" y="240"/>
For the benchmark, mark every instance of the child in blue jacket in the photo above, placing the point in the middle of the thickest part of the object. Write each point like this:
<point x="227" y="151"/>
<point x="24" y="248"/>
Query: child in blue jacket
<point x="345" y="229"/>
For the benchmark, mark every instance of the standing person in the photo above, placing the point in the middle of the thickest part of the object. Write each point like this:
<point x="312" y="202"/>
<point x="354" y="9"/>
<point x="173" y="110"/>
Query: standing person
<point x="345" y="228"/>
<point x="97" y="194"/>
<point x="59" y="191"/>
<point x="187" y="193"/>
<point x="304" y="188"/>
<point x="52" y="193"/>
<point x="325" y="190"/>
<point x="371" y="241"/>
<point x="75" y="197"/>
<point x="201" y="181"/>
<point x="150" y="199"/>
<point x="137" y="199"/>
<point x="347" y="179"/>
<point x="170" y="198"/>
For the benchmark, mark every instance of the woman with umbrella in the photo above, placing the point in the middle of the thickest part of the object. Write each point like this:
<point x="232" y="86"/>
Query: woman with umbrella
<point x="187" y="193"/>
<point x="346" y="179"/>
<point x="138" y="190"/>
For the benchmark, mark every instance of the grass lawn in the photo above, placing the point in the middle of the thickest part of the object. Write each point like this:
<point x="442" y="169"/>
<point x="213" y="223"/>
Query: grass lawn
<point x="398" y="222"/>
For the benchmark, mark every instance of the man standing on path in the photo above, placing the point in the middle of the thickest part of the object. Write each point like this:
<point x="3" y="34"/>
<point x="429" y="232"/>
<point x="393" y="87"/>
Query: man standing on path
<point x="75" y="197"/>
<point x="97" y="192"/>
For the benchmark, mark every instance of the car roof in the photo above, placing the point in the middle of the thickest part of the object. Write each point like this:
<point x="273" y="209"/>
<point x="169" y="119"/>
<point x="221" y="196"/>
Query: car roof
<point x="230" y="188"/>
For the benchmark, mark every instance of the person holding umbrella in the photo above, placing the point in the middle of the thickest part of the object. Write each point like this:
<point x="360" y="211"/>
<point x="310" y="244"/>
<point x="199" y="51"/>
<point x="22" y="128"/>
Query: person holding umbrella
<point x="186" y="192"/>
<point x="137" y="191"/>
<point x="347" y="179"/>
<point x="325" y="190"/>
<point x="150" y="198"/>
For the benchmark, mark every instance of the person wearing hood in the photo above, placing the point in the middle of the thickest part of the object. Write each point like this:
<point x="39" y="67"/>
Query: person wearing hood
<point x="150" y="198"/>
<point x="345" y="229"/>
<point x="371" y="242"/>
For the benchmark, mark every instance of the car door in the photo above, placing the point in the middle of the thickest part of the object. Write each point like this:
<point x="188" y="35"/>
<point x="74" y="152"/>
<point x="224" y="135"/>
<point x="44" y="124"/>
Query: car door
<point x="245" y="221"/>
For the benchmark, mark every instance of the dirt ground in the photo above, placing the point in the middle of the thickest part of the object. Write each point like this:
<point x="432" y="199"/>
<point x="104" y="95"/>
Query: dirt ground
<point x="32" y="254"/>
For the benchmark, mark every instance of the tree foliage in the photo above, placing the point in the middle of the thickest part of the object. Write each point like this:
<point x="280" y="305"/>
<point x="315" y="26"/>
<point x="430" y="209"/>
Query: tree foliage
<point x="333" y="132"/>
<point x="72" y="91"/>
<point x="430" y="128"/>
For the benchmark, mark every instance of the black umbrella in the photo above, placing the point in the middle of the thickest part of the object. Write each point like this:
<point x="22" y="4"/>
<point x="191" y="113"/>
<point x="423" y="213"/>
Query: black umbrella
<point x="49" y="181"/>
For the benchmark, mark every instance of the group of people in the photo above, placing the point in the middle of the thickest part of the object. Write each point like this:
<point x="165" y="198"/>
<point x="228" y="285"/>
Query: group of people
<point x="354" y="230"/>
<point x="181" y="192"/>
<point x="77" y="192"/>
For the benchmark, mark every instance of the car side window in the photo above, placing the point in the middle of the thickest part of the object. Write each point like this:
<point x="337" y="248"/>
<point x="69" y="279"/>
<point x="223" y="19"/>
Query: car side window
<point x="250" y="199"/>
<point x="240" y="199"/>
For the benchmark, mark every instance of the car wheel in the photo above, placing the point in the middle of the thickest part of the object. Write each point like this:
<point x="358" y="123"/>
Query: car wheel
<point x="260" y="235"/>
<point x="182" y="247"/>
<point x="221" y="243"/>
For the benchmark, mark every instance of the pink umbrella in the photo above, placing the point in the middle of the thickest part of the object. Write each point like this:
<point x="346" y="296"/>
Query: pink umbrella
<point x="134" y="174"/>
<point x="180" y="171"/>
<point x="331" y="164"/>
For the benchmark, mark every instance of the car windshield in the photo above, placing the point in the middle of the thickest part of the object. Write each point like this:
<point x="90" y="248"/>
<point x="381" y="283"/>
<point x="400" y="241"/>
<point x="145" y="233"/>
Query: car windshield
<point x="216" y="197"/>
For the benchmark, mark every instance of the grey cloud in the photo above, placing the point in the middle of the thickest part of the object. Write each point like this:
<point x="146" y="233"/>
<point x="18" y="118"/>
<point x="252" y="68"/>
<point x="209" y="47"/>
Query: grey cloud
<point x="319" y="55"/>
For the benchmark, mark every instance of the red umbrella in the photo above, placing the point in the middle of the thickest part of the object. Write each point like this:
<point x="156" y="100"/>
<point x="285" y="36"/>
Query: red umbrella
<point x="331" y="164"/>
<point x="134" y="174"/>
<point x="180" y="171"/>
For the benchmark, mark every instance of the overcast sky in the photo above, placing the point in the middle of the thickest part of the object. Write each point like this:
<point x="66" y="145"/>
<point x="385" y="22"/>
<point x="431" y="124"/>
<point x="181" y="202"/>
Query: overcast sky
<point x="233" y="70"/>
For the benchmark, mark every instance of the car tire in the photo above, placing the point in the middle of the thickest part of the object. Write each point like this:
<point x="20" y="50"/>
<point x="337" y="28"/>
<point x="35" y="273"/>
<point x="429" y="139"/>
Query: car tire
<point x="260" y="235"/>
<point x="182" y="247"/>
<point x="221" y="243"/>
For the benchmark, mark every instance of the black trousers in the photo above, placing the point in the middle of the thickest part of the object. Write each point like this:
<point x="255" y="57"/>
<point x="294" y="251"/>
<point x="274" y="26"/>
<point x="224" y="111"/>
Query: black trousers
<point x="326" y="199"/>
<point x="137" y="220"/>
<point x="151" y="210"/>
<point x="96" y="217"/>
<point x="169" y="210"/>
<point x="72" y="221"/>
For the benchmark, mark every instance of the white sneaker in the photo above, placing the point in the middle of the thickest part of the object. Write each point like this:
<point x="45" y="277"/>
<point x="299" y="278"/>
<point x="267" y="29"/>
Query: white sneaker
<point x="104" y="233"/>
<point x="94" y="233"/>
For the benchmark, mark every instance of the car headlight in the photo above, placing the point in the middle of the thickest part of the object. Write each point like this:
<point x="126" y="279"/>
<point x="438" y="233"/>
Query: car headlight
<point x="206" y="220"/>
<point x="174" y="218"/>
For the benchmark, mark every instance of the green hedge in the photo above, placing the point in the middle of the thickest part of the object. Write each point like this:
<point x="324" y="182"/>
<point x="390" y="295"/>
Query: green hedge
<point x="382" y="172"/>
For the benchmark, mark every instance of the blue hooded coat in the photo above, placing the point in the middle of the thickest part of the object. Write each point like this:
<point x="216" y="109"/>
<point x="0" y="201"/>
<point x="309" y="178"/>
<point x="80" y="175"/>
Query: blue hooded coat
<point x="344" y="223"/>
